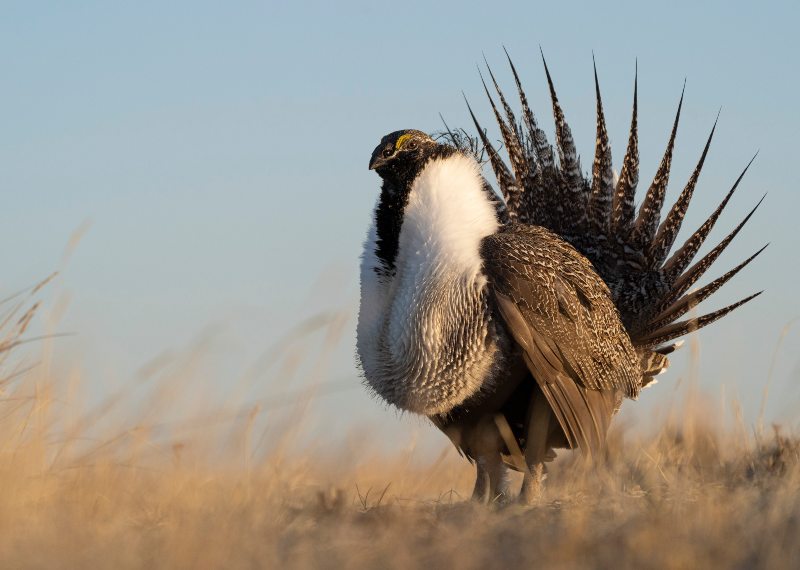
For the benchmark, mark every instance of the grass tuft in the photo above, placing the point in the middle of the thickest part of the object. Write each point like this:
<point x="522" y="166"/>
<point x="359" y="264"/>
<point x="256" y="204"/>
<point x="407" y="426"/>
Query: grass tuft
<point x="78" y="490"/>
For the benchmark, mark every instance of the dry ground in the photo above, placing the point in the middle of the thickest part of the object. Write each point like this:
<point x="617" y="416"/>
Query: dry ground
<point x="689" y="498"/>
<point x="80" y="491"/>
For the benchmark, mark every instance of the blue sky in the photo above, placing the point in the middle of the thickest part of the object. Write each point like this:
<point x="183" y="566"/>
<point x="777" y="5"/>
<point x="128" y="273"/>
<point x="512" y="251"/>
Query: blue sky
<point x="218" y="152"/>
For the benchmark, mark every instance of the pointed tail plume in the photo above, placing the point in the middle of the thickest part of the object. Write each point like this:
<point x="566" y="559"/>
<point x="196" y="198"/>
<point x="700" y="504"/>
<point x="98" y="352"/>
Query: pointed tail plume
<point x="597" y="217"/>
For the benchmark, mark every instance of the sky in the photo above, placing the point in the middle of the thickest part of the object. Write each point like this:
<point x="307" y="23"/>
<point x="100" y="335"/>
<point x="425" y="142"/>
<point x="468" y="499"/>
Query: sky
<point x="213" y="156"/>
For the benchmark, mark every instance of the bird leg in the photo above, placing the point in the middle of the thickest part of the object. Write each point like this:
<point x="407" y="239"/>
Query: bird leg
<point x="491" y="483"/>
<point x="533" y="484"/>
<point x="480" y="494"/>
<point x="536" y="449"/>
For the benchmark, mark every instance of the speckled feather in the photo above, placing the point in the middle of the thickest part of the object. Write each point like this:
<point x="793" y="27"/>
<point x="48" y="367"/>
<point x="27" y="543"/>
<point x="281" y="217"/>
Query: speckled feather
<point x="516" y="154"/>
<point x="665" y="238"/>
<point x="625" y="191"/>
<point x="570" y="209"/>
<point x="650" y="211"/>
<point x="598" y="220"/>
<point x="561" y="298"/>
<point x="602" y="173"/>
<point x="509" y="187"/>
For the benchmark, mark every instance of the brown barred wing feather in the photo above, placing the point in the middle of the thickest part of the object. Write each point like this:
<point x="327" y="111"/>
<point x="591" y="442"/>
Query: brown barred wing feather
<point x="561" y="314"/>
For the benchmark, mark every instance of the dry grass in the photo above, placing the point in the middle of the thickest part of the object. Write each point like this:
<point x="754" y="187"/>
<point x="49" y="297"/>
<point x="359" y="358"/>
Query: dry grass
<point x="78" y="490"/>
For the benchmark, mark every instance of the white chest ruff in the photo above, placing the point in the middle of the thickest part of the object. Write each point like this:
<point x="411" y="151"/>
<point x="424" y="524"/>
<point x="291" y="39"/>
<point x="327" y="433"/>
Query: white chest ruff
<point x="425" y="339"/>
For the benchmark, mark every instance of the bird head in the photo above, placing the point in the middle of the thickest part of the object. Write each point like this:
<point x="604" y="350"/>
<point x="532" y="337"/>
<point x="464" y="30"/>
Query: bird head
<point x="402" y="154"/>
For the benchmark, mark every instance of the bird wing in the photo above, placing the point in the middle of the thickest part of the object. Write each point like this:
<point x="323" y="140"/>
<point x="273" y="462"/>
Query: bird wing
<point x="561" y="314"/>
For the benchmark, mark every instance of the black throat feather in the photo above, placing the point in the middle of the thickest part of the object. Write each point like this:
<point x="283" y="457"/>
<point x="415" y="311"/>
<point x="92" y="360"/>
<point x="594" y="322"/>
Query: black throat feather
<point x="397" y="181"/>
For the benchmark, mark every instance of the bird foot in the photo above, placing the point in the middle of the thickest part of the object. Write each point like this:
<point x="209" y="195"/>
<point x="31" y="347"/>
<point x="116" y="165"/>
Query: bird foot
<point x="532" y="491"/>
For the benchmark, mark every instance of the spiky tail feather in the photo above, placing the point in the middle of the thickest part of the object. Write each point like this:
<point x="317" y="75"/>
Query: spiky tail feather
<point x="597" y="217"/>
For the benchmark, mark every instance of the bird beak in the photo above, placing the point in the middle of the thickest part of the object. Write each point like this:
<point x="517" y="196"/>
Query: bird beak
<point x="376" y="161"/>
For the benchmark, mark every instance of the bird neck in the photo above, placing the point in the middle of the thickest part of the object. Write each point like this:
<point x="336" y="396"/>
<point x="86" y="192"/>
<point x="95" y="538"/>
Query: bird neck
<point x="389" y="221"/>
<point x="398" y="182"/>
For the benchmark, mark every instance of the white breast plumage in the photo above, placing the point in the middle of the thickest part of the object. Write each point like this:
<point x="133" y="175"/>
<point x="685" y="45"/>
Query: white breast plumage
<point x="423" y="330"/>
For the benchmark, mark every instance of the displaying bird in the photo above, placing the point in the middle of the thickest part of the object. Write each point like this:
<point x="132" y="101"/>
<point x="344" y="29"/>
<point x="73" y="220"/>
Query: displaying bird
<point x="519" y="324"/>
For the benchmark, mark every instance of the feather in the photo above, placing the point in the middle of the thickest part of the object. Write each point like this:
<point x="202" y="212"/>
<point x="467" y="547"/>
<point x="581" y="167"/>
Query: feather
<point x="566" y="314"/>
<point x="690" y="325"/>
<point x="687" y="302"/>
<point x="653" y="362"/>
<point x="670" y="348"/>
<point x="681" y="259"/>
<point x="542" y="148"/>
<point x="584" y="414"/>
<point x="513" y="146"/>
<point x="506" y="180"/>
<point x="574" y="193"/>
<point x="650" y="210"/>
<point x="698" y="269"/>
<point x="602" y="173"/>
<point x="622" y="217"/>
<point x="669" y="229"/>
<point x="539" y="192"/>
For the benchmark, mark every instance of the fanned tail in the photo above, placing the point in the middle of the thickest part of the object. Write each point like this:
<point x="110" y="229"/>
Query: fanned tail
<point x="651" y="289"/>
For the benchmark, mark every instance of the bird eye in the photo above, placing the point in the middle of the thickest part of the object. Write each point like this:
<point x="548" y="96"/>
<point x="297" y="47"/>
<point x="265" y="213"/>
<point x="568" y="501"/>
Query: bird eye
<point x="387" y="152"/>
<point x="412" y="145"/>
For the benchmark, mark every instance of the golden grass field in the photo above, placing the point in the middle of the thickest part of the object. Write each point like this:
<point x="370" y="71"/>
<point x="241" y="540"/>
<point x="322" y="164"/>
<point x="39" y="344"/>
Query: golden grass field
<point x="105" y="488"/>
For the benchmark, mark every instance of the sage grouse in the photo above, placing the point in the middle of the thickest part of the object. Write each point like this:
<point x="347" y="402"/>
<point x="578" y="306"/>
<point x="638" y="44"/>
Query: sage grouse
<point x="517" y="325"/>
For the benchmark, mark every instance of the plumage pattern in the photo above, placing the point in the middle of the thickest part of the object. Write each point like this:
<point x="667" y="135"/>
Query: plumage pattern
<point x="629" y="253"/>
<point x="625" y="191"/>
<point x="559" y="311"/>
<point x="567" y="310"/>
<point x="668" y="231"/>
<point x="602" y="173"/>
<point x="650" y="211"/>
